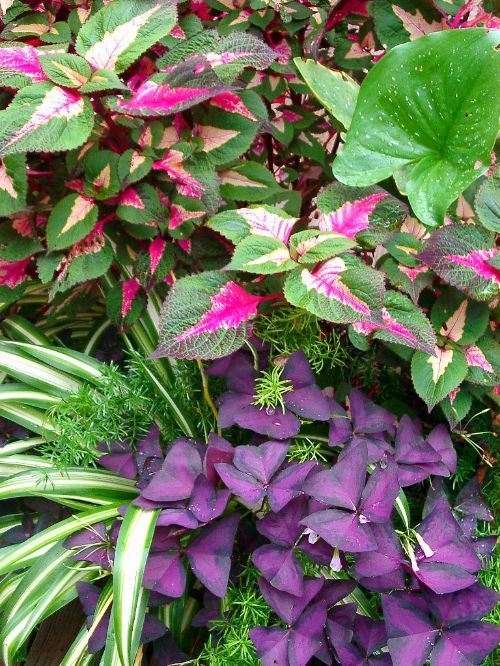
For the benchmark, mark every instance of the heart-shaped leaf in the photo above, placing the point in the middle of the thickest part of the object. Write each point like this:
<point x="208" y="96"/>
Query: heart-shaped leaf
<point x="408" y="124"/>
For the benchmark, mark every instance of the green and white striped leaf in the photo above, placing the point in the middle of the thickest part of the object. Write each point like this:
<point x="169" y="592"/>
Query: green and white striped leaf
<point x="29" y="417"/>
<point x="20" y="393"/>
<point x="22" y="554"/>
<point x="60" y="583"/>
<point x="70" y="361"/>
<point x="97" y="486"/>
<point x="20" y="329"/>
<point x="129" y="605"/>
<point x="34" y="373"/>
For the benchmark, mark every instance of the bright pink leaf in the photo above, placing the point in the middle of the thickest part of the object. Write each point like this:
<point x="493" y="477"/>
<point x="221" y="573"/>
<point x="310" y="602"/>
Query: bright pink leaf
<point x="129" y="291"/>
<point x="228" y="101"/>
<point x="161" y="98"/>
<point x="326" y="281"/>
<point x="22" y="59"/>
<point x="477" y="261"/>
<point x="156" y="249"/>
<point x="131" y="198"/>
<point x="13" y="273"/>
<point x="476" y="358"/>
<point x="230" y="307"/>
<point x="351" y="217"/>
<point x="264" y="223"/>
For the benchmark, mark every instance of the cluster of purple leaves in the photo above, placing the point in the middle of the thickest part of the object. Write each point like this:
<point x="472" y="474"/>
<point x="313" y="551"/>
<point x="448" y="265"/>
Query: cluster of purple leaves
<point x="339" y="517"/>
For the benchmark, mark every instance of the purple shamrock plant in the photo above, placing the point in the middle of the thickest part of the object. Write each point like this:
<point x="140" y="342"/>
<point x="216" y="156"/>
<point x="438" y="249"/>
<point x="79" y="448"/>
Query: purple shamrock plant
<point x="323" y="539"/>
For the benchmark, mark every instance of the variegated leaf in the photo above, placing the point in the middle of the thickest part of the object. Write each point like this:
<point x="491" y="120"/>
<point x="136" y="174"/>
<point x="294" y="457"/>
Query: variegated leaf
<point x="483" y="360"/>
<point x="140" y="204"/>
<point x="261" y="254"/>
<point x="403" y="323"/>
<point x="464" y="256"/>
<point x="65" y="69"/>
<point x="20" y="65"/>
<point x="205" y="316"/>
<point x="71" y="219"/>
<point x="410" y="280"/>
<point x="256" y="221"/>
<point x="122" y="30"/>
<point x="337" y="292"/>
<point x="13" y="183"/>
<point x="247" y="181"/>
<point x="311" y="246"/>
<point x="456" y="406"/>
<point x="457" y="318"/>
<point x="369" y="214"/>
<point x="44" y="115"/>
<point x="101" y="175"/>
<point x="435" y="377"/>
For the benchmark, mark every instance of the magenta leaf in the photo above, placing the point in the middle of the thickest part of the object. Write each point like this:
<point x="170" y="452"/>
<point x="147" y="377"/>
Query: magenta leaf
<point x="205" y="316"/>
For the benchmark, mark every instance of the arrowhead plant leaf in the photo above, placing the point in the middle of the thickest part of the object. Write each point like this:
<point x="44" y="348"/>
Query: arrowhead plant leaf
<point x="407" y="124"/>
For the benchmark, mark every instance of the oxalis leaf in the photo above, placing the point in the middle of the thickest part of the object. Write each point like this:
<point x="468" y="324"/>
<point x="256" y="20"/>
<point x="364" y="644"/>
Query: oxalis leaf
<point x="427" y="113"/>
<point x="205" y="316"/>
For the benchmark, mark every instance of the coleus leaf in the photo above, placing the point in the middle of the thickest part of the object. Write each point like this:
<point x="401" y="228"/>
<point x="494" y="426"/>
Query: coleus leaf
<point x="20" y="65"/>
<point x="205" y="316"/>
<point x="263" y="221"/>
<point x="370" y="214"/>
<point x="311" y="246"/>
<point x="404" y="247"/>
<point x="487" y="202"/>
<point x="336" y="91"/>
<point x="247" y="181"/>
<point x="65" y="69"/>
<point x="225" y="135"/>
<point x="18" y="239"/>
<point x="189" y="83"/>
<point x="483" y="360"/>
<point x="457" y="318"/>
<point x="463" y="255"/>
<point x="337" y="292"/>
<point x="403" y="323"/>
<point x="122" y="30"/>
<point x="433" y="165"/>
<point x="434" y="377"/>
<point x="401" y="21"/>
<point x="13" y="184"/>
<point x="261" y="254"/>
<point x="133" y="166"/>
<point x="44" y="115"/>
<point x="71" y="219"/>
<point x="456" y="406"/>
<point x="140" y="204"/>
<point x="410" y="280"/>
<point x="101" y="174"/>
<point x="103" y="79"/>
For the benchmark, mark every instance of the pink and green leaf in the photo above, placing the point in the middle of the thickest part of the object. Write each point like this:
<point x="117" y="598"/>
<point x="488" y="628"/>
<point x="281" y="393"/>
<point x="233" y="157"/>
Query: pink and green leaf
<point x="13" y="184"/>
<point x="205" y="316"/>
<point x="122" y="30"/>
<point x="44" y="115"/>
<point x="457" y="318"/>
<point x="20" y="65"/>
<point x="369" y="213"/>
<point x="464" y="256"/>
<point x="311" y="246"/>
<point x="336" y="292"/>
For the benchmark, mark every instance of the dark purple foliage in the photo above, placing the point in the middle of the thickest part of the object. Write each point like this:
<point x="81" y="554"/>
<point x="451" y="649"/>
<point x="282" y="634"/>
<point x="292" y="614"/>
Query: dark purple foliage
<point x="446" y="628"/>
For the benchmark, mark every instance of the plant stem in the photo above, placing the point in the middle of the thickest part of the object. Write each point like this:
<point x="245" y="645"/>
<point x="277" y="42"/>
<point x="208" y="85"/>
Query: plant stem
<point x="206" y="393"/>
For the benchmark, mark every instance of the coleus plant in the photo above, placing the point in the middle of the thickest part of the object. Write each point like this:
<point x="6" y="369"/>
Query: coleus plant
<point x="164" y="520"/>
<point x="194" y="145"/>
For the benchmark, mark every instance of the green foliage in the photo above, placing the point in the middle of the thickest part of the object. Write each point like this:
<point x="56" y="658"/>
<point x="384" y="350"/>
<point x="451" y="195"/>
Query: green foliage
<point x="119" y="407"/>
<point x="287" y="329"/>
<point x="243" y="609"/>
<point x="270" y="388"/>
<point x="407" y="123"/>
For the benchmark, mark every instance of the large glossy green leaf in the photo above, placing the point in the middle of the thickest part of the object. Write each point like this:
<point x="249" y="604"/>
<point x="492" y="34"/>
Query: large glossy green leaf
<point x="336" y="91"/>
<point x="427" y="113"/>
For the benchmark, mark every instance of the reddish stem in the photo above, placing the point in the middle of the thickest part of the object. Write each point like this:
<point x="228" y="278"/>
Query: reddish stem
<point x="272" y="297"/>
